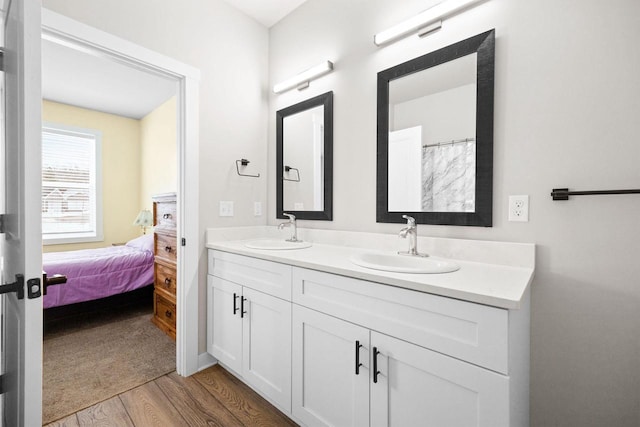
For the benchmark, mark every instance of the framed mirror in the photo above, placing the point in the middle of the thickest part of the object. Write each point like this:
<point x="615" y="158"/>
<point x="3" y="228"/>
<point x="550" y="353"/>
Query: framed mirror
<point x="435" y="136"/>
<point x="304" y="159"/>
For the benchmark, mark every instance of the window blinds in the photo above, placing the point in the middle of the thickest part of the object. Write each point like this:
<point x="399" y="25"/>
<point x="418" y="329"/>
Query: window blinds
<point x="68" y="183"/>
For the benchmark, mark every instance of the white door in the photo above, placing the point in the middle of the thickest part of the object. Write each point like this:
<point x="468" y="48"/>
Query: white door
<point x="419" y="387"/>
<point x="225" y="300"/>
<point x="266" y="332"/>
<point x="405" y="170"/>
<point x="327" y="391"/>
<point x="21" y="243"/>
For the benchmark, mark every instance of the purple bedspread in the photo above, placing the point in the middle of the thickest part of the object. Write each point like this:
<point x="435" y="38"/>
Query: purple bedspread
<point x="96" y="273"/>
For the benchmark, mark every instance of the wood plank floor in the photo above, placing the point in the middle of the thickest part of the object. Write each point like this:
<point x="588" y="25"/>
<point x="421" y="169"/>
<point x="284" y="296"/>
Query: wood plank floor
<point x="212" y="397"/>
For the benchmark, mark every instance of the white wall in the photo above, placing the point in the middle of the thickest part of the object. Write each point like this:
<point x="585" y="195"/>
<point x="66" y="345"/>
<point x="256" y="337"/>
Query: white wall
<point x="231" y="52"/>
<point x="567" y="108"/>
<point x="444" y="116"/>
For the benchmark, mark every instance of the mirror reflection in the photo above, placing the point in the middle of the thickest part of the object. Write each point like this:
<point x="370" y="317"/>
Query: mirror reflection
<point x="304" y="159"/>
<point x="432" y="128"/>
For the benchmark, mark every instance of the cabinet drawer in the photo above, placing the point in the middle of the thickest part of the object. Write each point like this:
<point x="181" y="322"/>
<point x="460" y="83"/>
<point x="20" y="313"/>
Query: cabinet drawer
<point x="471" y="332"/>
<point x="165" y="278"/>
<point x="164" y="314"/>
<point x="165" y="309"/>
<point x="165" y="215"/>
<point x="264" y="276"/>
<point x="166" y="247"/>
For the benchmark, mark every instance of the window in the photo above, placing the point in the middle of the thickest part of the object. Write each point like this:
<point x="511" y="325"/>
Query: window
<point x="71" y="185"/>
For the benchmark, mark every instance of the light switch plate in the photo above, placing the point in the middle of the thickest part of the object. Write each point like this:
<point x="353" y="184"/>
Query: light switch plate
<point x="226" y="208"/>
<point x="257" y="208"/>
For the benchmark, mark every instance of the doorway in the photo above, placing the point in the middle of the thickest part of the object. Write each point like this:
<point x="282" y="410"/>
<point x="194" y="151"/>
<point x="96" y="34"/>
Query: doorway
<point x="72" y="34"/>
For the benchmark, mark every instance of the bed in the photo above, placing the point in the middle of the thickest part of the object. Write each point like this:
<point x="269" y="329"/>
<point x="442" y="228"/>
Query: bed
<point x="98" y="273"/>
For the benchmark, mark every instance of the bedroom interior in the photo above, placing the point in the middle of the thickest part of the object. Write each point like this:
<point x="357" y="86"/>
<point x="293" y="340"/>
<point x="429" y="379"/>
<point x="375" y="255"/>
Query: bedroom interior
<point x="104" y="314"/>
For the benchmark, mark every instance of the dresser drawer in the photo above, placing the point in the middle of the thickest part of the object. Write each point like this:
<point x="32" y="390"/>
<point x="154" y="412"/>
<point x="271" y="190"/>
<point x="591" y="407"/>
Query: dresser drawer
<point x="165" y="278"/>
<point x="164" y="310"/>
<point x="472" y="332"/>
<point x="165" y="215"/>
<point x="166" y="247"/>
<point x="264" y="276"/>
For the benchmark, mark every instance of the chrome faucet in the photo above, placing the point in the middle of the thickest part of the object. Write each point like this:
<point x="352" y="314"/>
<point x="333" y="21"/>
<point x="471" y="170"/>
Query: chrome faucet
<point x="411" y="230"/>
<point x="293" y="225"/>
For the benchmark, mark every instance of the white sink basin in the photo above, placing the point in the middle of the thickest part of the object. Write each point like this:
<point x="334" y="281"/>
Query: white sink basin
<point x="276" y="245"/>
<point x="403" y="263"/>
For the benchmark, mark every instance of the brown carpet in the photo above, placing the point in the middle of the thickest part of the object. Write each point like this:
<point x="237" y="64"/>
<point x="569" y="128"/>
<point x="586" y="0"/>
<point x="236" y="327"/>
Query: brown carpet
<point x="99" y="358"/>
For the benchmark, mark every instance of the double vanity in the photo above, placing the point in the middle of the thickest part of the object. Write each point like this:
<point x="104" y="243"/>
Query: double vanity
<point x="337" y="335"/>
<point x="339" y="329"/>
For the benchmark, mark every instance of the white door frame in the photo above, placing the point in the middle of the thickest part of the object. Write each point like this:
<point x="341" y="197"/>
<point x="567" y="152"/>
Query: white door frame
<point x="64" y="30"/>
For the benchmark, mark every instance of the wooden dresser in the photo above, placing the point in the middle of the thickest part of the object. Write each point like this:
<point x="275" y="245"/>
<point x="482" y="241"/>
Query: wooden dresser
<point x="165" y="249"/>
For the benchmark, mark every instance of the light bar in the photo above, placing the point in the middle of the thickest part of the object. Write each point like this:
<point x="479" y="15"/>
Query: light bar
<point x="302" y="80"/>
<point x="423" y="19"/>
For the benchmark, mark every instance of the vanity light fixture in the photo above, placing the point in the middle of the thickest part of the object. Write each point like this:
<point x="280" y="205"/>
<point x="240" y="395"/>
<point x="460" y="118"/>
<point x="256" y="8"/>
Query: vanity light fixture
<point x="302" y="80"/>
<point x="424" y="22"/>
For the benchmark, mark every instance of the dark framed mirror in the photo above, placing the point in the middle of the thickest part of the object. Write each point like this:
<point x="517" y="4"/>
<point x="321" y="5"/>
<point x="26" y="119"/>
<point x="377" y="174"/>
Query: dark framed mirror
<point x="435" y="136"/>
<point x="304" y="159"/>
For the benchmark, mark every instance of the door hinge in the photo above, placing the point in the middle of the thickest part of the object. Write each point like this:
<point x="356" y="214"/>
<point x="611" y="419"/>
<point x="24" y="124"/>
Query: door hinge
<point x="17" y="287"/>
<point x="3" y="217"/>
<point x="184" y="242"/>
<point x="2" y="384"/>
<point x="1" y="59"/>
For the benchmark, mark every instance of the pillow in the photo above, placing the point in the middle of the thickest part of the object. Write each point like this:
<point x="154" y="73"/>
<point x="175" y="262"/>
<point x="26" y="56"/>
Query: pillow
<point x="143" y="243"/>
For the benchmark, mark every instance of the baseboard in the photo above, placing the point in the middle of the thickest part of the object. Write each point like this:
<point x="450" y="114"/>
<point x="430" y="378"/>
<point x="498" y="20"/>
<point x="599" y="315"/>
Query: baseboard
<point x="205" y="360"/>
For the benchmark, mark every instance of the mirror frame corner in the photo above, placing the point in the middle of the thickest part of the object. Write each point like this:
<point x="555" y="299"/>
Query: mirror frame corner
<point x="325" y="100"/>
<point x="484" y="45"/>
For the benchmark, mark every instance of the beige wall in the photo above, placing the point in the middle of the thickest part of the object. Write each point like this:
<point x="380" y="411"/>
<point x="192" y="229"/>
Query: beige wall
<point x="120" y="169"/>
<point x="158" y="153"/>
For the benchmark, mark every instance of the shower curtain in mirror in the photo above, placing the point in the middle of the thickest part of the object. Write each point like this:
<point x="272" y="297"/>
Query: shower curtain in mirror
<point x="448" y="177"/>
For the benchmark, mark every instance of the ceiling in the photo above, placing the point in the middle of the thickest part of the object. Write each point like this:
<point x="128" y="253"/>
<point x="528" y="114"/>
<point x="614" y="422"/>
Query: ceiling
<point x="74" y="77"/>
<point x="267" y="12"/>
<point x="89" y="81"/>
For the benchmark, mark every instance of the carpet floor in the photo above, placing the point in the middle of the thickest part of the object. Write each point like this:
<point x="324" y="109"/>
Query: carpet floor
<point x="96" y="359"/>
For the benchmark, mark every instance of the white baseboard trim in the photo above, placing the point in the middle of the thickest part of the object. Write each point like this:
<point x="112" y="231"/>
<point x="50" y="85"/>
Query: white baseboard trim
<point x="205" y="360"/>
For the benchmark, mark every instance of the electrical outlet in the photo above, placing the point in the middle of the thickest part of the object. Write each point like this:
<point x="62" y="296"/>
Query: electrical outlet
<point x="257" y="208"/>
<point x="226" y="208"/>
<point x="519" y="208"/>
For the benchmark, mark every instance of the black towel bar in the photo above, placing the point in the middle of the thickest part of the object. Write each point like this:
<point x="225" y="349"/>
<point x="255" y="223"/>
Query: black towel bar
<point x="564" y="193"/>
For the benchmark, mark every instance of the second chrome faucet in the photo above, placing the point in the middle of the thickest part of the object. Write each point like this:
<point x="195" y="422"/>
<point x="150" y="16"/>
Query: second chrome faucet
<point x="293" y="225"/>
<point x="411" y="232"/>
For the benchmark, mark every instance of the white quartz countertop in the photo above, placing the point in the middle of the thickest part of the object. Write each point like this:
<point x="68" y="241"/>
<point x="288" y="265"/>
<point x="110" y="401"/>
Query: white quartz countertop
<point x="497" y="285"/>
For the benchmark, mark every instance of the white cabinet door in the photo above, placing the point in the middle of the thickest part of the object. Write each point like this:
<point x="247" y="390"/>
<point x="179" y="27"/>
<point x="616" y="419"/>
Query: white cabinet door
<point x="225" y="322"/>
<point x="419" y="387"/>
<point x="267" y="346"/>
<point x="326" y="389"/>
